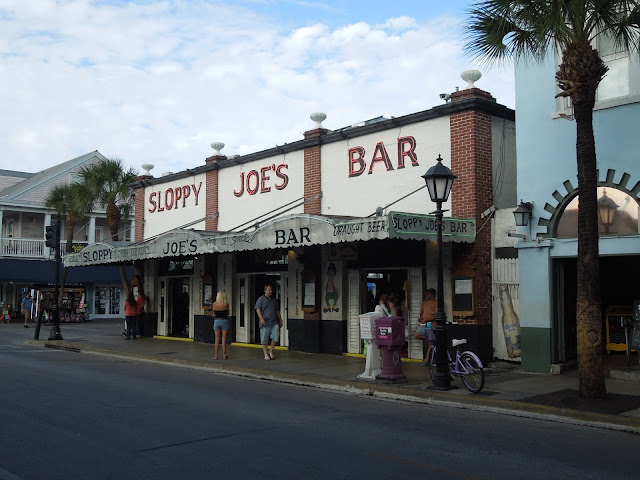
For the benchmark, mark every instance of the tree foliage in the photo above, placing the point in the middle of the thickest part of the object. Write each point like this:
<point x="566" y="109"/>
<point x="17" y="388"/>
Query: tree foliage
<point x="523" y="30"/>
<point x="73" y="201"/>
<point x="110" y="185"/>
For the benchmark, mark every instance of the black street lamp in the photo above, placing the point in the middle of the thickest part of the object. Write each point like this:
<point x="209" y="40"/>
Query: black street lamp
<point x="522" y="214"/>
<point x="439" y="180"/>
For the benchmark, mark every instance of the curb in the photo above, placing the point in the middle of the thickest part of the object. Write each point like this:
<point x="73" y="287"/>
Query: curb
<point x="391" y="392"/>
<point x="625" y="374"/>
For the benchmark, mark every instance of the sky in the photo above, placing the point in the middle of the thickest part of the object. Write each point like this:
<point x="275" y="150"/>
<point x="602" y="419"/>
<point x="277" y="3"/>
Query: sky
<point x="157" y="81"/>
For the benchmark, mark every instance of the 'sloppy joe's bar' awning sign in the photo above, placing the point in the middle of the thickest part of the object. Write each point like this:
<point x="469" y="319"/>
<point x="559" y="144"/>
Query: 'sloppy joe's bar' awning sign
<point x="425" y="227"/>
<point x="286" y="232"/>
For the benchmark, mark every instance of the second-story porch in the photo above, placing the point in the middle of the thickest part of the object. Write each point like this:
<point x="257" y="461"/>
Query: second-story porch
<point x="23" y="234"/>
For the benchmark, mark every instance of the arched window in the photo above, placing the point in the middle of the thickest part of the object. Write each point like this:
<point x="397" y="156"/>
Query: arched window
<point x="617" y="215"/>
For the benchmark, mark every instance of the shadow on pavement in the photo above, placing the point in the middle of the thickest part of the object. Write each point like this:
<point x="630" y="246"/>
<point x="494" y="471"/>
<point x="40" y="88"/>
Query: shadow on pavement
<point x="614" y="404"/>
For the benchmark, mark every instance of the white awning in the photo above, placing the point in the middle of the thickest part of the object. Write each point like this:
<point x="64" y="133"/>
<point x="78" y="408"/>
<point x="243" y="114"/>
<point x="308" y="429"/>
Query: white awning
<point x="290" y="231"/>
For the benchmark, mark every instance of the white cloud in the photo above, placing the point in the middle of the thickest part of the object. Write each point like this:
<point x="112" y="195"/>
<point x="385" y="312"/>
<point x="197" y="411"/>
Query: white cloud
<point x="399" y="23"/>
<point x="157" y="82"/>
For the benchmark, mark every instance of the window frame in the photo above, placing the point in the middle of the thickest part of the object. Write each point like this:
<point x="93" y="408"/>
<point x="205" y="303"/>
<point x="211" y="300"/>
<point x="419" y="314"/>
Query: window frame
<point x="564" y="108"/>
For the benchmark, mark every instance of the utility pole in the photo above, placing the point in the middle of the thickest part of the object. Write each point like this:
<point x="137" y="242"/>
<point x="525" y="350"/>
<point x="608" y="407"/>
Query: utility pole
<point x="52" y="240"/>
<point x="55" y="311"/>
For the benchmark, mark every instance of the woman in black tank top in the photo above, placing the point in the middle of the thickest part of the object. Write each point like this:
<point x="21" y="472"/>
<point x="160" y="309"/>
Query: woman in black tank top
<point x="221" y="324"/>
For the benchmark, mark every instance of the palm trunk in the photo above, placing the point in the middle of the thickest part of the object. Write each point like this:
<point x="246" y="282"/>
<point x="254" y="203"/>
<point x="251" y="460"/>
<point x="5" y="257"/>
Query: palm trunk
<point x="589" y="309"/>
<point x="125" y="281"/>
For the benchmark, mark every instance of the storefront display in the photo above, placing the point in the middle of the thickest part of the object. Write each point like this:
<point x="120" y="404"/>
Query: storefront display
<point x="73" y="306"/>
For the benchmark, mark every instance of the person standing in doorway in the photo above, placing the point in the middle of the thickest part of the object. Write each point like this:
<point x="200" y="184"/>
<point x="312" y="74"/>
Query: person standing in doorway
<point x="395" y="304"/>
<point x="27" y="303"/>
<point x="268" y="311"/>
<point x="383" y="306"/>
<point x="221" y="324"/>
<point x="427" y="317"/>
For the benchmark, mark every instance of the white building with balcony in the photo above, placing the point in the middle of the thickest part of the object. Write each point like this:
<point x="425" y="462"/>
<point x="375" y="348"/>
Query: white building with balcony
<point x="27" y="264"/>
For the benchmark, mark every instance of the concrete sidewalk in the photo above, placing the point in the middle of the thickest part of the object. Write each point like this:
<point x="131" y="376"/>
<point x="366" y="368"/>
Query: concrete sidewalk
<point x="507" y="390"/>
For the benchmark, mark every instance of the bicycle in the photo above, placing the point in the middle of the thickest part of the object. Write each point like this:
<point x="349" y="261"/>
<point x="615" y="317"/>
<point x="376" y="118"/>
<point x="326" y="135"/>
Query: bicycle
<point x="466" y="364"/>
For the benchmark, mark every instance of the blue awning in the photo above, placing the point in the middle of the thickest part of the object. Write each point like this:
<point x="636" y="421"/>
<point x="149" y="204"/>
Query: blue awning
<point x="44" y="272"/>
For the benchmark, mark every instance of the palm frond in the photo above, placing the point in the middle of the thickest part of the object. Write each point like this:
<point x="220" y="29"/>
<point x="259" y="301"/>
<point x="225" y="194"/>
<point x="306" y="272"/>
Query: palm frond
<point x="58" y="199"/>
<point x="109" y="184"/>
<point x="502" y="30"/>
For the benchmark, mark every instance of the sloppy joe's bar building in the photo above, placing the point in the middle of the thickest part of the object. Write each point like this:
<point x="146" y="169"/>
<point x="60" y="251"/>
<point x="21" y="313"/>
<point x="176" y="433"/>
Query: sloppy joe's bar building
<point x="332" y="221"/>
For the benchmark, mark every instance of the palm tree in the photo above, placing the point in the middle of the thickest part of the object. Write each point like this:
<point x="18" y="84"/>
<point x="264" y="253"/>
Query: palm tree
<point x="73" y="201"/>
<point x="110" y="185"/>
<point x="528" y="29"/>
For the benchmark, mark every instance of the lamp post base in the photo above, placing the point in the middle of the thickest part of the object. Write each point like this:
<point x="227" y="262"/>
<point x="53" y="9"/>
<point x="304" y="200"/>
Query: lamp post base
<point x="55" y="334"/>
<point x="441" y="389"/>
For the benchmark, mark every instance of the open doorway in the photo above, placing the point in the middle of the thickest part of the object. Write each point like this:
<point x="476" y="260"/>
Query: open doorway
<point x="258" y="282"/>
<point x="391" y="282"/>
<point x="179" y="306"/>
<point x="381" y="281"/>
<point x="616" y="291"/>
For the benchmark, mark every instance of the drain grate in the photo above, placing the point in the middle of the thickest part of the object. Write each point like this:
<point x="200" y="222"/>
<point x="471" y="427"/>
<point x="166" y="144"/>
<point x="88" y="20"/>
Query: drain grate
<point x="62" y="347"/>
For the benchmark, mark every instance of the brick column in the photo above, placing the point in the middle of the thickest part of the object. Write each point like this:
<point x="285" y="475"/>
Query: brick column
<point x="312" y="187"/>
<point x="312" y="173"/>
<point x="138" y="234"/>
<point x="211" y="223"/>
<point x="472" y="194"/>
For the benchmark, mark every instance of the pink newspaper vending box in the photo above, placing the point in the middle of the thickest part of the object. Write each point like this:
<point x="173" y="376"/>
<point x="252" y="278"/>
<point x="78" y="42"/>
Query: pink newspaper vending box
<point x="390" y="331"/>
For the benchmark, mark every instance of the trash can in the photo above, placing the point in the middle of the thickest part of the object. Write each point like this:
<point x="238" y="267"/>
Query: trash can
<point x="390" y="338"/>
<point x="372" y="353"/>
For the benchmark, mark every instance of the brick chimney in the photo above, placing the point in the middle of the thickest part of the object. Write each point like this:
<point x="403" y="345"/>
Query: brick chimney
<point x="211" y="212"/>
<point x="138" y="232"/>
<point x="312" y="164"/>
<point x="472" y="192"/>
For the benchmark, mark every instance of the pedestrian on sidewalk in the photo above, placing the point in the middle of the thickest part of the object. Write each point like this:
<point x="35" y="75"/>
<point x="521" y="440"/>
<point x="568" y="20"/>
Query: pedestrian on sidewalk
<point x="221" y="323"/>
<point x="427" y="317"/>
<point x="27" y="303"/>
<point x="268" y="311"/>
<point x="131" y="313"/>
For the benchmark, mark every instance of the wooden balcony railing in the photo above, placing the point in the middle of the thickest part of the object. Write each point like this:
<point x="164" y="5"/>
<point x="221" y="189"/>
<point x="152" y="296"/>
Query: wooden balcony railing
<point x="29" y="247"/>
<point x="22" y="247"/>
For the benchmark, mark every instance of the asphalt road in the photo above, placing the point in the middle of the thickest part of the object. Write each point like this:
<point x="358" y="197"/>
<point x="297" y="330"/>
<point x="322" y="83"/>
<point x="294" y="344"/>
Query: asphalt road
<point x="68" y="415"/>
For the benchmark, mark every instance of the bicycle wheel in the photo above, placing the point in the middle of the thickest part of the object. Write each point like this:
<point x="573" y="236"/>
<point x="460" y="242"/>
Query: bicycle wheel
<point x="432" y="365"/>
<point x="473" y="375"/>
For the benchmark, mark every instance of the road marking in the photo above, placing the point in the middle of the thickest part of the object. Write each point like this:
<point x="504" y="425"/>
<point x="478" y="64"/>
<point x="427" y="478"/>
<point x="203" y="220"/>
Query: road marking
<point x="430" y="468"/>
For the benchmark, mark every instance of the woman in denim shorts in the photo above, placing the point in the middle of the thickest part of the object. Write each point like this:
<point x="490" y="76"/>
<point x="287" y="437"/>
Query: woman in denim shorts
<point x="221" y="323"/>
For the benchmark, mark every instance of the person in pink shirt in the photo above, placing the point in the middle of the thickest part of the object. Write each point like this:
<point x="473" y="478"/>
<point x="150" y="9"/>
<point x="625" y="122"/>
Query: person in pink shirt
<point x="131" y="312"/>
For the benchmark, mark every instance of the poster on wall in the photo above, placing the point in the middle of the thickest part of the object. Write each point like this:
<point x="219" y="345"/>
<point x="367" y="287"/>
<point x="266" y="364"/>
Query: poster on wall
<point x="635" y="334"/>
<point x="332" y="291"/>
<point x="295" y="290"/>
<point x="100" y="301"/>
<point x="208" y="295"/>
<point x="309" y="294"/>
<point x="510" y="322"/>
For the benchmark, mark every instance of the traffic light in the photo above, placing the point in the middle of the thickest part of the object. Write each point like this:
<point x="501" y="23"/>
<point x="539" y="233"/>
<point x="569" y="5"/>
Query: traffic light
<point x="51" y="236"/>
